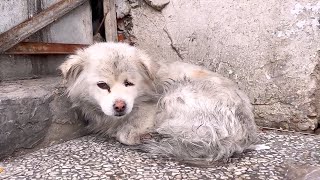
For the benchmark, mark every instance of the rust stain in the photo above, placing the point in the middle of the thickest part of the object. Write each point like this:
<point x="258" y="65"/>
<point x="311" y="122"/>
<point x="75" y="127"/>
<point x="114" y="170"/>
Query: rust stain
<point x="121" y="37"/>
<point x="44" y="48"/>
<point x="199" y="74"/>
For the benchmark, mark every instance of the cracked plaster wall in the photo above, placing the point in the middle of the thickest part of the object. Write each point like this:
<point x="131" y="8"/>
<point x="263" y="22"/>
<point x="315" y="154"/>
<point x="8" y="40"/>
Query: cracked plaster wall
<point x="268" y="47"/>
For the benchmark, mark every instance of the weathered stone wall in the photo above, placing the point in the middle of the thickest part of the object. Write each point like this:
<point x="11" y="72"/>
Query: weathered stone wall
<point x="268" y="47"/>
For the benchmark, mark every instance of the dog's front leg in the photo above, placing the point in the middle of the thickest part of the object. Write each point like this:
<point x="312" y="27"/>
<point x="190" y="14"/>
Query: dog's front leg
<point x="139" y="124"/>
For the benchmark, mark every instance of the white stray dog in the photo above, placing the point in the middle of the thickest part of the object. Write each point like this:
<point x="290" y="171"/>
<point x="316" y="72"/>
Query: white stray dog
<point x="198" y="114"/>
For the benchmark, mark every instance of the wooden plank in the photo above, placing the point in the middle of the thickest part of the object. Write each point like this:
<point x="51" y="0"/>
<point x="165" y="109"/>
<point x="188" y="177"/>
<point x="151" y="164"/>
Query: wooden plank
<point x="18" y="33"/>
<point x="44" y="48"/>
<point x="110" y="22"/>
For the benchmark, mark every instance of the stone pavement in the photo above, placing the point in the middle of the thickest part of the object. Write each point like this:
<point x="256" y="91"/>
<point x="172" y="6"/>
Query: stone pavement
<point x="291" y="156"/>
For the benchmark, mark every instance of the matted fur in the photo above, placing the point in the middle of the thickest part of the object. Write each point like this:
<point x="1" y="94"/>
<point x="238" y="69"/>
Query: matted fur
<point x="201" y="119"/>
<point x="199" y="114"/>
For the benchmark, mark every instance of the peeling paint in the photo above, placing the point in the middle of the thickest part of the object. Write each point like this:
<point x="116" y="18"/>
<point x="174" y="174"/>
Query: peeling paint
<point x="301" y="24"/>
<point x="305" y="16"/>
<point x="298" y="8"/>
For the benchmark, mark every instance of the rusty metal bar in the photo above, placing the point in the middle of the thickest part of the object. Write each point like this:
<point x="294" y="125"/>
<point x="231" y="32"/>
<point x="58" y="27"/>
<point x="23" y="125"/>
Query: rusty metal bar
<point x="44" y="48"/>
<point x="18" y="33"/>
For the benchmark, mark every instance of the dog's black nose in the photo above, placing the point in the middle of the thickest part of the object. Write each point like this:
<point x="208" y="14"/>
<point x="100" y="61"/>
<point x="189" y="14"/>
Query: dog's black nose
<point x="119" y="106"/>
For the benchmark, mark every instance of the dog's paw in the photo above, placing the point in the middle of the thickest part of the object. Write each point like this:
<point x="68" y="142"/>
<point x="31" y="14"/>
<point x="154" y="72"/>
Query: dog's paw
<point x="128" y="136"/>
<point x="145" y="137"/>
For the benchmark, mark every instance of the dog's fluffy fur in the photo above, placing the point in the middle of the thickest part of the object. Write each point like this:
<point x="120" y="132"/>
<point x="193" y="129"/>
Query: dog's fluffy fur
<point x="198" y="114"/>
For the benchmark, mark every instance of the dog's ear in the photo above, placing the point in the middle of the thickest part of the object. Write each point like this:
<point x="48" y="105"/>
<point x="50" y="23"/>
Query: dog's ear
<point x="147" y="66"/>
<point x="72" y="67"/>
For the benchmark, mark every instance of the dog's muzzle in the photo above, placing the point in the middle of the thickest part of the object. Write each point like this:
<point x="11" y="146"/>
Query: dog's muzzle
<point x="119" y="107"/>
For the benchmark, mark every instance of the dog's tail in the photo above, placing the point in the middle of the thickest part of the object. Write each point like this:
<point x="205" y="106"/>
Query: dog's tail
<point x="202" y="121"/>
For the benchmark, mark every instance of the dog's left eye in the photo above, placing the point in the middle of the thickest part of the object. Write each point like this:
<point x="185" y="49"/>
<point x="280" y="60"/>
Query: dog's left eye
<point x="103" y="85"/>
<point x="127" y="83"/>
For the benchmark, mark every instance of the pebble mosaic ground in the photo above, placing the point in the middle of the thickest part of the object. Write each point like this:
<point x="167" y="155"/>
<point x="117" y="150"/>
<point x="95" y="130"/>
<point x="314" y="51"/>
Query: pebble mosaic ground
<point x="290" y="156"/>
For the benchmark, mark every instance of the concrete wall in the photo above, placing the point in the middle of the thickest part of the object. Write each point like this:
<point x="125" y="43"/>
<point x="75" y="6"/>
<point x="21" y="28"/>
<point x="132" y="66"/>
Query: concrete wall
<point x="270" y="48"/>
<point x="75" y="27"/>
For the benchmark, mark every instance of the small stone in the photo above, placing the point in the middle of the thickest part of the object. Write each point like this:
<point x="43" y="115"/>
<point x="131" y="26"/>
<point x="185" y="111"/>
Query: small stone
<point x="94" y="178"/>
<point x="243" y="168"/>
<point x="122" y="8"/>
<point x="109" y="173"/>
<point x="96" y="173"/>
<point x="157" y="4"/>
<point x="107" y="169"/>
<point x="303" y="126"/>
<point x="38" y="176"/>
<point x="224" y="177"/>
<point x="29" y="173"/>
<point x="178" y="176"/>
<point x="53" y="173"/>
<point x="65" y="170"/>
<point x="77" y="167"/>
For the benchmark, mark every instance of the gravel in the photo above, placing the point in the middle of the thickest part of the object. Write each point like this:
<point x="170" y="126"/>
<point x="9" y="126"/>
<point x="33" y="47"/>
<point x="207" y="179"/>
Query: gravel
<point x="89" y="157"/>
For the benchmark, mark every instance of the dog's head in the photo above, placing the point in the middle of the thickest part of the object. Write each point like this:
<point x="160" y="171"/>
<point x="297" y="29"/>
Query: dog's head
<point x="110" y="75"/>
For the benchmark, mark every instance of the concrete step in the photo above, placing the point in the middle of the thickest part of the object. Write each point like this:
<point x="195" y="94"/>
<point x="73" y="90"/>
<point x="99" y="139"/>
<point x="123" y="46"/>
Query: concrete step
<point x="35" y="113"/>
<point x="290" y="155"/>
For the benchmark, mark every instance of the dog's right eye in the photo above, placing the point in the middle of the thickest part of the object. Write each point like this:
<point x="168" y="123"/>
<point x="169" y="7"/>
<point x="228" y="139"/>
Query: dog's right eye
<point x="103" y="85"/>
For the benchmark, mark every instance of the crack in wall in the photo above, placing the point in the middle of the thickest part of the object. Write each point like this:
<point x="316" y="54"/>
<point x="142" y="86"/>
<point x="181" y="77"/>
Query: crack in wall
<point x="274" y="102"/>
<point x="175" y="49"/>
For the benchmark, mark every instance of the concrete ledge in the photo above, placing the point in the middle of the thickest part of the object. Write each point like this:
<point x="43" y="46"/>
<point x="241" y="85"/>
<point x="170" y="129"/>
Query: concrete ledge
<point x="35" y="113"/>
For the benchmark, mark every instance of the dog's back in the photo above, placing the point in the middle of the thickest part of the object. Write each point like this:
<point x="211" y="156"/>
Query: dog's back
<point x="203" y="120"/>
